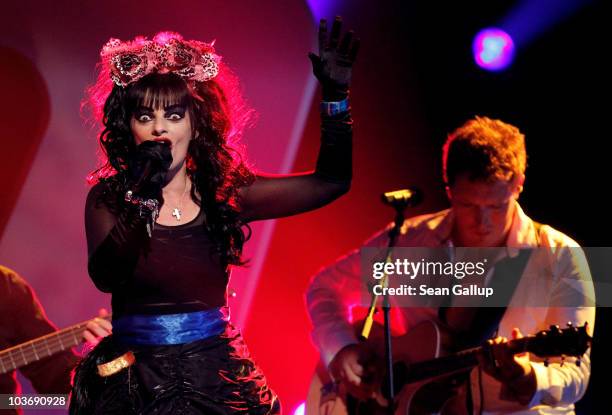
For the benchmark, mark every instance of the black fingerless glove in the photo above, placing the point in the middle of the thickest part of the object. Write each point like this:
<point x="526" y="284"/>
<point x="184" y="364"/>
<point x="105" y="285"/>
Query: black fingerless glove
<point x="148" y="165"/>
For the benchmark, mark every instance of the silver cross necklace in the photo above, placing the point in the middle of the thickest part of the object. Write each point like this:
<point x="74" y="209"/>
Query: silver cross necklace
<point x="177" y="212"/>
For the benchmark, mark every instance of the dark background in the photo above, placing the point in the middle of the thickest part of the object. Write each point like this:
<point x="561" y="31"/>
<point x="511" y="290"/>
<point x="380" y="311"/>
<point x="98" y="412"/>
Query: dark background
<point x="416" y="81"/>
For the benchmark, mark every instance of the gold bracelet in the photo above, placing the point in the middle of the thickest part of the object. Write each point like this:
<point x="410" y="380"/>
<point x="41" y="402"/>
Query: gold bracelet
<point x="116" y="365"/>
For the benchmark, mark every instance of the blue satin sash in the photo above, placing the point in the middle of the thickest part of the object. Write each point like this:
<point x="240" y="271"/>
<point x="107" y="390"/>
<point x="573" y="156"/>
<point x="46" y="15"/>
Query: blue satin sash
<point x="165" y="329"/>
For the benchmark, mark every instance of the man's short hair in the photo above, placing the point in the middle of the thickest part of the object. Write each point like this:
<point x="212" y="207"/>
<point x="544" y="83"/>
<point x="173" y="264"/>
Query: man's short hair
<point x="485" y="149"/>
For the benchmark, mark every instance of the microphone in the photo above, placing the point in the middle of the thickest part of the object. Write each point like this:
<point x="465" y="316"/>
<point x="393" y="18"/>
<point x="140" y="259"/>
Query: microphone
<point x="401" y="199"/>
<point x="150" y="160"/>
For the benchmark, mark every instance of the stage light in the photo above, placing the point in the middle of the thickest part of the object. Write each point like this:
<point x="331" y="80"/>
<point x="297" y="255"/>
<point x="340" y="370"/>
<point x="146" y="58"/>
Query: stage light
<point x="493" y="49"/>
<point x="301" y="409"/>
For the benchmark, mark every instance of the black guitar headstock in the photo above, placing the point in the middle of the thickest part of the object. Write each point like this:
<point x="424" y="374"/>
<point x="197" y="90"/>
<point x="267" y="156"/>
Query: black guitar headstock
<point x="570" y="341"/>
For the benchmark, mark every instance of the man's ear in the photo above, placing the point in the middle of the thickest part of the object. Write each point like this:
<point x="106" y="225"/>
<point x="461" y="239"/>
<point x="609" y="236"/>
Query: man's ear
<point x="519" y="181"/>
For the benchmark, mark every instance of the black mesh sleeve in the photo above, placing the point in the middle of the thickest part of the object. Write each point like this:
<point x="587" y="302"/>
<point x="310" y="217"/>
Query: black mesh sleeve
<point x="114" y="241"/>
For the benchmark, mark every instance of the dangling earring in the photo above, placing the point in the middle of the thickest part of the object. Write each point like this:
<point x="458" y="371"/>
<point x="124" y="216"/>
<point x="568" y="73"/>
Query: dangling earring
<point x="190" y="164"/>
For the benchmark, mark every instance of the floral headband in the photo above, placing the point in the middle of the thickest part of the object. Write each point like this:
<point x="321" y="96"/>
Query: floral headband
<point x="129" y="61"/>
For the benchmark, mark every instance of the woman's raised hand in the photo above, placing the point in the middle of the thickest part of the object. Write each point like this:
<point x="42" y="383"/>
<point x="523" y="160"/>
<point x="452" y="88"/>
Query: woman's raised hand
<point x="333" y="65"/>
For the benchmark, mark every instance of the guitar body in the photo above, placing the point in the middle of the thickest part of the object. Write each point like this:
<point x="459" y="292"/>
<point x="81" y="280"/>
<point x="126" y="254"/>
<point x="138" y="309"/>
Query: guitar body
<point x="440" y="396"/>
<point x="443" y="396"/>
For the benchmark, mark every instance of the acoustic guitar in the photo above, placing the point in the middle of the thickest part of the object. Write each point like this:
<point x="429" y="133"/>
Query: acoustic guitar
<point x="427" y="381"/>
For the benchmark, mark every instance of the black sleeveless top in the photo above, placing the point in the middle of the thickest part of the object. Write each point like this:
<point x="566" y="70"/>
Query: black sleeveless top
<point x="177" y="274"/>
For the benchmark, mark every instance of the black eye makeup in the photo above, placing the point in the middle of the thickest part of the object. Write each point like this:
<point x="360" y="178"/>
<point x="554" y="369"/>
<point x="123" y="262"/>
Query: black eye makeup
<point x="143" y="114"/>
<point x="171" y="112"/>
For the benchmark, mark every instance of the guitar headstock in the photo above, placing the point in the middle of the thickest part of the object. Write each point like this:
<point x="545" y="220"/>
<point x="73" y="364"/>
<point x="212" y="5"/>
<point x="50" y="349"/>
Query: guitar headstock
<point x="570" y="341"/>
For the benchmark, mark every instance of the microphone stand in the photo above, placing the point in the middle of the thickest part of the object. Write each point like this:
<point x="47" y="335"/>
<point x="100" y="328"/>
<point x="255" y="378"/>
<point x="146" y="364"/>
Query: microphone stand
<point x="367" y="325"/>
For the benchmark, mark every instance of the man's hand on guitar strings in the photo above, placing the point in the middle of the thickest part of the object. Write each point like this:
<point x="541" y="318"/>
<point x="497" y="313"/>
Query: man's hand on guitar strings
<point x="354" y="368"/>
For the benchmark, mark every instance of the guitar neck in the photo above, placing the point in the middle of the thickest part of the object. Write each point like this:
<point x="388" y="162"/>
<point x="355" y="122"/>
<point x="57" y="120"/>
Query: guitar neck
<point x="465" y="359"/>
<point x="34" y="350"/>
<point x="419" y="371"/>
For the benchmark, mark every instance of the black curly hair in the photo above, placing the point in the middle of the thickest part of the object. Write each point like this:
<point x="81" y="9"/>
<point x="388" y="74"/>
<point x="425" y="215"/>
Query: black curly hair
<point x="214" y="163"/>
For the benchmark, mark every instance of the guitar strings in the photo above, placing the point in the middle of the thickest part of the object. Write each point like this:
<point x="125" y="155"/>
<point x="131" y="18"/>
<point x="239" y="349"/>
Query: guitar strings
<point x="25" y="353"/>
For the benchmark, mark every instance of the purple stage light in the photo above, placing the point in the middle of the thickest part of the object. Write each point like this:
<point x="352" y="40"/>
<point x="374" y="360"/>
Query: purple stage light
<point x="493" y="49"/>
